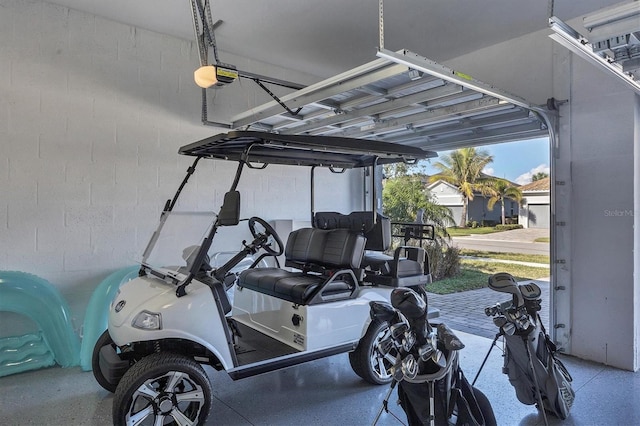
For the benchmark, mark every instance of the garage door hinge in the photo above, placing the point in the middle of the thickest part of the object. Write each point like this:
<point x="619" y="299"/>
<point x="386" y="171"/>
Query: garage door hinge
<point x="559" y="326"/>
<point x="560" y="287"/>
<point x="561" y="223"/>
<point x="560" y="261"/>
<point x="560" y="182"/>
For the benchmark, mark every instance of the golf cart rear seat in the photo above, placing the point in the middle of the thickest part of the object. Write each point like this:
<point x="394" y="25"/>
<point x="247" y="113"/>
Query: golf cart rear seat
<point x="327" y="260"/>
<point x="380" y="268"/>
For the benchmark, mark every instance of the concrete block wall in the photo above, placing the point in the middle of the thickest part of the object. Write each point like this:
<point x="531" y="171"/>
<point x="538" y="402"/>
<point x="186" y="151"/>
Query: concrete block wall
<point x="92" y="114"/>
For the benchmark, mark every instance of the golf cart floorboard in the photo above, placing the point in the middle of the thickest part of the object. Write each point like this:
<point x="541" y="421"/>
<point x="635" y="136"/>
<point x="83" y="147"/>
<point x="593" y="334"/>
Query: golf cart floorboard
<point x="254" y="346"/>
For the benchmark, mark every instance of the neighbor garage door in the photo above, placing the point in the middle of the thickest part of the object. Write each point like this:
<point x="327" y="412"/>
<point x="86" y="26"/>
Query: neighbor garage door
<point x="539" y="216"/>
<point x="456" y="212"/>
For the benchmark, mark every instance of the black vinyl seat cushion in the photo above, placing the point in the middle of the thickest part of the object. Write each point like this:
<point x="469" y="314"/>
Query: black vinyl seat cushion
<point x="295" y="287"/>
<point x="386" y="265"/>
<point x="381" y="268"/>
<point x="310" y="249"/>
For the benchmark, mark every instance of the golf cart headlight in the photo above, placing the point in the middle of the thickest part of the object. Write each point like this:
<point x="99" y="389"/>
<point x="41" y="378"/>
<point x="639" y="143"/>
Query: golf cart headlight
<point x="146" y="320"/>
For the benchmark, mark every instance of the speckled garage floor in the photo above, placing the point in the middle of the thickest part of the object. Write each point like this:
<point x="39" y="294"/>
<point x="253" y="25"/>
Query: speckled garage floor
<point x="323" y="392"/>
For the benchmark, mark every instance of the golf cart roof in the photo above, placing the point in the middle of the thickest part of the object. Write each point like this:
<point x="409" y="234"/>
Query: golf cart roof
<point x="303" y="150"/>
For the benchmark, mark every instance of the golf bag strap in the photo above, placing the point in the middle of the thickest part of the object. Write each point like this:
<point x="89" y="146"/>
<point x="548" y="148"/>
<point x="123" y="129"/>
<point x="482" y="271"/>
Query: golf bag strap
<point x="552" y="350"/>
<point x="547" y="340"/>
<point x="463" y="398"/>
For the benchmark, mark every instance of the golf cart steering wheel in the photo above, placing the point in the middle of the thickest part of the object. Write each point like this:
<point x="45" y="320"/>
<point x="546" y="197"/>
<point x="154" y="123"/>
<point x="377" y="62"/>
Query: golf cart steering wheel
<point x="268" y="232"/>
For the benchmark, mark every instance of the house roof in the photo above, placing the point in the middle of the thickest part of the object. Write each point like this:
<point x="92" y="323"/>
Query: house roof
<point x="438" y="182"/>
<point x="538" y="185"/>
<point x="435" y="183"/>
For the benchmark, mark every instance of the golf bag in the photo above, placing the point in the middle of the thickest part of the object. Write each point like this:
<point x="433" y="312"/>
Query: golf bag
<point x="454" y="400"/>
<point x="534" y="371"/>
<point x="553" y="379"/>
<point x="432" y="389"/>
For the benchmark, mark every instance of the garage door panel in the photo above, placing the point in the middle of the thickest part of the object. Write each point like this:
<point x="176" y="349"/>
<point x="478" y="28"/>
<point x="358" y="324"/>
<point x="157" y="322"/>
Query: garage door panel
<point x="539" y="216"/>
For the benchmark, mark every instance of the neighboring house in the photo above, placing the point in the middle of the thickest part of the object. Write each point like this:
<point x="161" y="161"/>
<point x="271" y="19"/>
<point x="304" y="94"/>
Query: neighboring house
<point x="447" y="195"/>
<point x="536" y="201"/>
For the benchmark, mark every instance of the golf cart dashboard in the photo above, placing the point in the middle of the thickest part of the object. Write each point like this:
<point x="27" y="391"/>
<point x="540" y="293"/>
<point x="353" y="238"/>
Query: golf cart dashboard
<point x="303" y="150"/>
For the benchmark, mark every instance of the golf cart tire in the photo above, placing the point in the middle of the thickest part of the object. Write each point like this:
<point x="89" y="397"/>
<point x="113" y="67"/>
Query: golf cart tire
<point x="149" y="376"/>
<point x="103" y="340"/>
<point x="362" y="358"/>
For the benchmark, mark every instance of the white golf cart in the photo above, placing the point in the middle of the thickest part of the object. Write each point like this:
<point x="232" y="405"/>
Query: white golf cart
<point x="177" y="315"/>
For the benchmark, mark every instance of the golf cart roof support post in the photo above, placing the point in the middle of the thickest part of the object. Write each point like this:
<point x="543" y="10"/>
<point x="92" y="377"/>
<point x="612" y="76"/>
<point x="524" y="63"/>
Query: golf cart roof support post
<point x="313" y="213"/>
<point x="204" y="248"/>
<point x="374" y="195"/>
<point x="206" y="243"/>
<point x="169" y="206"/>
<point x="241" y="164"/>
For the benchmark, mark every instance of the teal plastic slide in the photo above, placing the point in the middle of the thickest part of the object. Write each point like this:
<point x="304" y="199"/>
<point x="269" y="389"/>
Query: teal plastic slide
<point x="96" y="316"/>
<point x="40" y="301"/>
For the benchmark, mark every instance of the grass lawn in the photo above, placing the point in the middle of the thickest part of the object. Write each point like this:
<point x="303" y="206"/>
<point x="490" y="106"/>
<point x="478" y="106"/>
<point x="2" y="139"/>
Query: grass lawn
<point x="475" y="273"/>
<point x="542" y="240"/>
<point x="463" y="232"/>
<point x="534" y="258"/>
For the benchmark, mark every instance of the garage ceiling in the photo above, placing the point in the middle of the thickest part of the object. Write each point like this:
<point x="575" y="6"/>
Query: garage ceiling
<point x="324" y="38"/>
<point x="400" y="97"/>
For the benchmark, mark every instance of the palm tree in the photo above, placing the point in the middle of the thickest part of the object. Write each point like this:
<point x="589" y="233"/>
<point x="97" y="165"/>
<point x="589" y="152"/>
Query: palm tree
<point x="539" y="175"/>
<point x="463" y="169"/>
<point x="501" y="189"/>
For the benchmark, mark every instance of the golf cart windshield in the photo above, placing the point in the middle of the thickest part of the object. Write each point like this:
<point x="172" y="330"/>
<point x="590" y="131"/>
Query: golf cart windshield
<point x="176" y="241"/>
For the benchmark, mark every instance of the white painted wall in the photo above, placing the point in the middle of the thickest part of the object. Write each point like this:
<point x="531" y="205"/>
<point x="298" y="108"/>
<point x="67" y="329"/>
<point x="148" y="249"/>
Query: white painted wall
<point x="92" y="113"/>
<point x="595" y="162"/>
<point x="601" y="124"/>
<point x="446" y="194"/>
<point x="636" y="230"/>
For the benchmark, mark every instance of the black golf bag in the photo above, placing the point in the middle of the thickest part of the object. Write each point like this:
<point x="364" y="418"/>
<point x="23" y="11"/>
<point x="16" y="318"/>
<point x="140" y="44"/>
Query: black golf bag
<point x="534" y="371"/>
<point x="455" y="402"/>
<point x="432" y="389"/>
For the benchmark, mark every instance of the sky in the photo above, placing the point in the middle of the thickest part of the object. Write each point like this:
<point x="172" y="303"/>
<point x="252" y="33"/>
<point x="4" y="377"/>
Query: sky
<point x="515" y="161"/>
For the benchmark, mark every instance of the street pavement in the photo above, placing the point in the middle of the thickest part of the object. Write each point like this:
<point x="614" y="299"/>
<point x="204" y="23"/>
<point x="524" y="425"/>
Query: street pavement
<point x="514" y="241"/>
<point x="464" y="311"/>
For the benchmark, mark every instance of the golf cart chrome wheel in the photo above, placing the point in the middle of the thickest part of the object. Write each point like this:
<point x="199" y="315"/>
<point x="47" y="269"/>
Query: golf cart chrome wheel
<point x="375" y="354"/>
<point x="163" y="389"/>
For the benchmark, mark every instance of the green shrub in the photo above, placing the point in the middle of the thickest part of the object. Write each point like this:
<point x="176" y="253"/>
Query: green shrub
<point x="443" y="262"/>
<point x="508" y="227"/>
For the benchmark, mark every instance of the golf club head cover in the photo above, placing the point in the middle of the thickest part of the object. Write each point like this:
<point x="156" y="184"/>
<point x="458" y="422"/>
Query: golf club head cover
<point x="414" y="308"/>
<point x="382" y="311"/>
<point x="448" y="338"/>
<point x="410" y="303"/>
<point x="530" y="291"/>
<point x="505" y="283"/>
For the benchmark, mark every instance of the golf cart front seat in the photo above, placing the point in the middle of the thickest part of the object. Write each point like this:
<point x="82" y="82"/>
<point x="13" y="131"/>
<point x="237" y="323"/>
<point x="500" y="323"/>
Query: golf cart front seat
<point x="380" y="268"/>
<point x="327" y="259"/>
